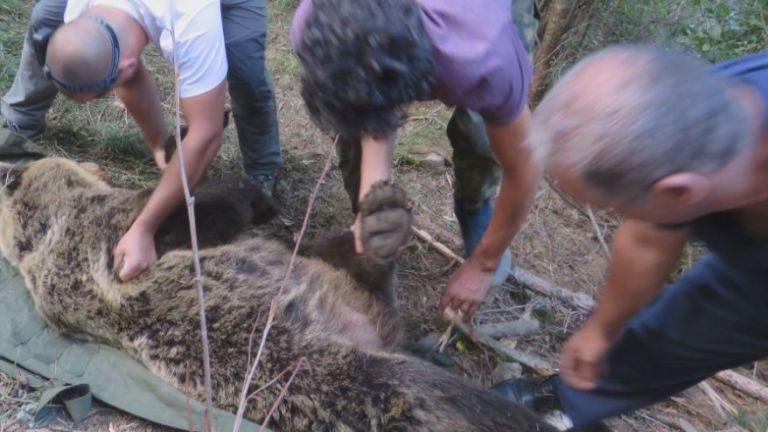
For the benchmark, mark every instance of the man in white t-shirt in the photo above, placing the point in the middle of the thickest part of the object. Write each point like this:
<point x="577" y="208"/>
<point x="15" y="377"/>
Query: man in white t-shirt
<point x="215" y="40"/>
<point x="244" y="22"/>
<point x="98" y="49"/>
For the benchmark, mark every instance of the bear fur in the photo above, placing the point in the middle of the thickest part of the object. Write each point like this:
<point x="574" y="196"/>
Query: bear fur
<point x="59" y="221"/>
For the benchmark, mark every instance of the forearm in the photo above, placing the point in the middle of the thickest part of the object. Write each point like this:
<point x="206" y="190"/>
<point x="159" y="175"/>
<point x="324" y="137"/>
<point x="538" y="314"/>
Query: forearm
<point x="375" y="162"/>
<point x="141" y="99"/>
<point x="199" y="151"/>
<point x="521" y="174"/>
<point x="643" y="256"/>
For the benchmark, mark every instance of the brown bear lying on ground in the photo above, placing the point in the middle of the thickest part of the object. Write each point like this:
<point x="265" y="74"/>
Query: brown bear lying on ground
<point x="59" y="221"/>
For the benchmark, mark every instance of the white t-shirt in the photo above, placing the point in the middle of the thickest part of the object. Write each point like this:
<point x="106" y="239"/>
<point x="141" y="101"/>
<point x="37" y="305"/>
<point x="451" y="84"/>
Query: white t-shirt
<point x="199" y="36"/>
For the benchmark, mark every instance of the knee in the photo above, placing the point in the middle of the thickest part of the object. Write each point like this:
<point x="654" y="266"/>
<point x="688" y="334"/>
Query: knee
<point x="46" y="17"/>
<point x="247" y="67"/>
<point x="47" y="14"/>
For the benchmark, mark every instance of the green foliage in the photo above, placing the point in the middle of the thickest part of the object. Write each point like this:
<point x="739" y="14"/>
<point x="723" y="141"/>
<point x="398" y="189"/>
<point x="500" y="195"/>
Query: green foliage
<point x="283" y="5"/>
<point x="752" y="421"/>
<point x="714" y="29"/>
<point x="13" y="16"/>
<point x="723" y="29"/>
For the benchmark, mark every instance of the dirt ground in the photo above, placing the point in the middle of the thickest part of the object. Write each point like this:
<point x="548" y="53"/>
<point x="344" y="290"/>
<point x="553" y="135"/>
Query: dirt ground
<point x="558" y="241"/>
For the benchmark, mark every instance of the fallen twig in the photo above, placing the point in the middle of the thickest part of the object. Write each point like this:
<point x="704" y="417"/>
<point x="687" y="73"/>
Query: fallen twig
<point x="195" y="250"/>
<point x="743" y="384"/>
<point x="282" y="393"/>
<point x="444" y="338"/>
<point x="542" y="286"/>
<point x="273" y="304"/>
<point x="659" y="419"/>
<point x="686" y="425"/>
<point x="523" y="277"/>
<point x="532" y="361"/>
<point x="510" y="328"/>
<point x="720" y="404"/>
<point x="598" y="232"/>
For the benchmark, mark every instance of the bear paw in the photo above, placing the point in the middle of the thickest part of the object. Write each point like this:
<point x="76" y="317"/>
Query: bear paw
<point x="385" y="222"/>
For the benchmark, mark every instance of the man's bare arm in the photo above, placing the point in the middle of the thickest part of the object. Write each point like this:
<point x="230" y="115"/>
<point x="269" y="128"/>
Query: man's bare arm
<point x="142" y="101"/>
<point x="643" y="257"/>
<point x="375" y="165"/>
<point x="136" y="250"/>
<point x="521" y="174"/>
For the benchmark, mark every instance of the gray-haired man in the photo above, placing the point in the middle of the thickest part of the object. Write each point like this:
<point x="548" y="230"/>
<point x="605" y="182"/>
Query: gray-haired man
<point x="681" y="150"/>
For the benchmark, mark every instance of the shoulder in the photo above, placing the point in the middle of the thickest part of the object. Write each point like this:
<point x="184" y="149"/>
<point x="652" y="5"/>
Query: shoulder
<point x="297" y="23"/>
<point x="74" y="9"/>
<point x="481" y="62"/>
<point x="742" y="65"/>
<point x="199" y="44"/>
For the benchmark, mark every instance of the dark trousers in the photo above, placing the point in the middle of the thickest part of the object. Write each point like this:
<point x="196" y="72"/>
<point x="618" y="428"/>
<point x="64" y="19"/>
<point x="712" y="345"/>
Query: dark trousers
<point x="714" y="318"/>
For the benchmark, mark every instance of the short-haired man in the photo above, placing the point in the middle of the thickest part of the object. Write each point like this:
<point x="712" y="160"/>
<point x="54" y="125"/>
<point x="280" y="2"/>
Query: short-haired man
<point x="365" y="60"/>
<point x="99" y="49"/>
<point x="680" y="150"/>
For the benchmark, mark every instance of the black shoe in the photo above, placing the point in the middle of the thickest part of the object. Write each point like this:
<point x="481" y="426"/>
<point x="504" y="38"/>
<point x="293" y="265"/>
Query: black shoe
<point x="536" y="394"/>
<point x="266" y="182"/>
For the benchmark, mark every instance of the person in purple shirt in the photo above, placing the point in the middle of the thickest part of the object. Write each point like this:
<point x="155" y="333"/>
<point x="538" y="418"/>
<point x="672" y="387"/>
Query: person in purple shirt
<point x="365" y="60"/>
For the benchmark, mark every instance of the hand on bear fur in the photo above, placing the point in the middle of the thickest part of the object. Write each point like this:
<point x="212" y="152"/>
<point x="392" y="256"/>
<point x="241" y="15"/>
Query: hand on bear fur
<point x="134" y="253"/>
<point x="384" y="222"/>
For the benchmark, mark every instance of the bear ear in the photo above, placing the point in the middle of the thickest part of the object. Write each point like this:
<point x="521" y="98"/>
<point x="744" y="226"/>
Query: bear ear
<point x="10" y="176"/>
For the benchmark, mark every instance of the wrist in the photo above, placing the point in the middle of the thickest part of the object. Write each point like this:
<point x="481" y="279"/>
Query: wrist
<point x="144" y="225"/>
<point x="485" y="258"/>
<point x="607" y="327"/>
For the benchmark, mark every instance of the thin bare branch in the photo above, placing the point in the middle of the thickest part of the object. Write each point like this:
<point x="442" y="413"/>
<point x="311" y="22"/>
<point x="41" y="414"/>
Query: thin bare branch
<point x="273" y="304"/>
<point x="743" y="384"/>
<point x="532" y="361"/>
<point x="599" y="232"/>
<point x="282" y="393"/>
<point x="717" y="401"/>
<point x="525" y="278"/>
<point x="195" y="250"/>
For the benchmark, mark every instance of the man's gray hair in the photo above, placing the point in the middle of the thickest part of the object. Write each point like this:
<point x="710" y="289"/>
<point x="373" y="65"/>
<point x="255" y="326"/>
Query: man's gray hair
<point x="661" y="113"/>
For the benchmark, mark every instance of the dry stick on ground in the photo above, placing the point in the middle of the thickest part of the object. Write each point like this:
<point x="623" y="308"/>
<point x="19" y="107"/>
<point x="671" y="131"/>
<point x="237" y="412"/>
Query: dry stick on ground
<point x="743" y="384"/>
<point x="686" y="425"/>
<point x="195" y="251"/>
<point x="532" y="361"/>
<point x="720" y="404"/>
<point x="524" y="327"/>
<point x="273" y="304"/>
<point x="586" y="303"/>
<point x="527" y="279"/>
<point x="599" y="232"/>
<point x="565" y="197"/>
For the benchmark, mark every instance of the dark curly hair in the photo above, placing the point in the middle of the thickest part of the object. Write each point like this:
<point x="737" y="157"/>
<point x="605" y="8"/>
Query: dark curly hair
<point x="363" y="61"/>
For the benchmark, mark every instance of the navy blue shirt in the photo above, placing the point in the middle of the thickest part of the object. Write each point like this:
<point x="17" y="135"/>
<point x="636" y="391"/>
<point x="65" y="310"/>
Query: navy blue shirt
<point x="722" y="232"/>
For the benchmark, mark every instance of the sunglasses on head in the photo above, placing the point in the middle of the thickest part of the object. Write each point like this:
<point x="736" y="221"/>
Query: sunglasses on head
<point x="107" y="82"/>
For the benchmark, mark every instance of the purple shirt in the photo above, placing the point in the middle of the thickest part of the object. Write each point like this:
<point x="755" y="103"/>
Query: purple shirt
<point x="480" y="61"/>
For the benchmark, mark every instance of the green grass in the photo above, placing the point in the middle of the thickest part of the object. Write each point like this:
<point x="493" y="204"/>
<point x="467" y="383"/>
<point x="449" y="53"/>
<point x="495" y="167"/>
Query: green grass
<point x="714" y="29"/>
<point x="752" y="421"/>
<point x="12" y="13"/>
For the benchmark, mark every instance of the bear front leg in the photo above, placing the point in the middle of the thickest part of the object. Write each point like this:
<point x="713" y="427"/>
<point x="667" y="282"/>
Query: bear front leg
<point x="385" y="228"/>
<point x="385" y="223"/>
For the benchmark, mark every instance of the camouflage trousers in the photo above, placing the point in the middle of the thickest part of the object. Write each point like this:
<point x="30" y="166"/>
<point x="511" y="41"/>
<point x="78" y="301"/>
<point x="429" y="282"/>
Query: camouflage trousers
<point x="477" y="172"/>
